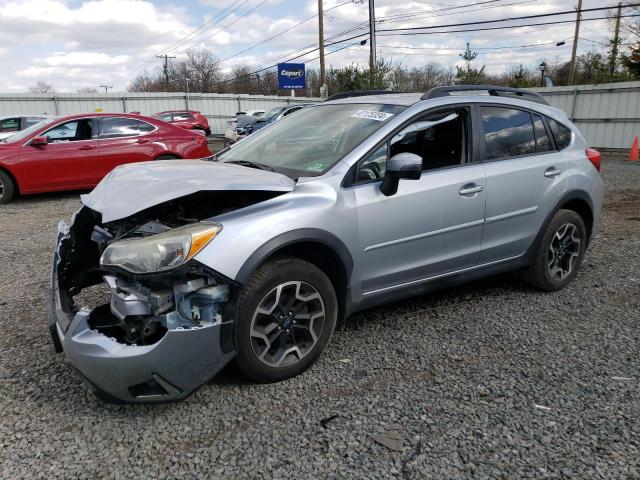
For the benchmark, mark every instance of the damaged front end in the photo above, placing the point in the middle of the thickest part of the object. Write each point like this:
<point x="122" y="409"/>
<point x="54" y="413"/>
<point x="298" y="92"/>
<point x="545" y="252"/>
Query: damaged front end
<point x="162" y="333"/>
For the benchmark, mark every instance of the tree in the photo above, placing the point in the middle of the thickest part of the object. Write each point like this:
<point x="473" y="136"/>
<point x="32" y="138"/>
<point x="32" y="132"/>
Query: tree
<point x="41" y="87"/>
<point x="469" y="75"/>
<point x="632" y="61"/>
<point x="87" y="90"/>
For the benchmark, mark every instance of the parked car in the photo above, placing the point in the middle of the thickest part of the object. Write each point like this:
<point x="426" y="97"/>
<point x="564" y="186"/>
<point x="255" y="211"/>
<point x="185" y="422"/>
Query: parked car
<point x="189" y="119"/>
<point x="77" y="151"/>
<point x="236" y="130"/>
<point x="10" y="124"/>
<point x="349" y="204"/>
<point x="275" y="115"/>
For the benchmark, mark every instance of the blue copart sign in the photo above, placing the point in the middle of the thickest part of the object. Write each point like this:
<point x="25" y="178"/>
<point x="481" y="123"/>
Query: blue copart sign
<point x="291" y="75"/>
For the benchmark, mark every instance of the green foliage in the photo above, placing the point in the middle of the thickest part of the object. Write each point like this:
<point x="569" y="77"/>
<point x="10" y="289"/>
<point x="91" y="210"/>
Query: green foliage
<point x="353" y="77"/>
<point x="469" y="75"/>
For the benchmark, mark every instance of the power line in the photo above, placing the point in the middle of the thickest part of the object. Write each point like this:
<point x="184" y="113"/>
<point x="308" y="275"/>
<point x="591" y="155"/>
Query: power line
<point x="498" y="28"/>
<point x="245" y="14"/>
<point x="507" y="19"/>
<point x="218" y="17"/>
<point x="281" y="33"/>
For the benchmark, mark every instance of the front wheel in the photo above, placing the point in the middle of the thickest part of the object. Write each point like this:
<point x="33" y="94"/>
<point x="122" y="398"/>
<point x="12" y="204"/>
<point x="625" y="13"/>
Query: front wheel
<point x="168" y="157"/>
<point x="286" y="315"/>
<point x="559" y="253"/>
<point x="7" y="188"/>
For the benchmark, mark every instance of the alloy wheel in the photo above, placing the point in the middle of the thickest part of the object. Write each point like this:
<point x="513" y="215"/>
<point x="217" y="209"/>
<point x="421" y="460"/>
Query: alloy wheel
<point x="287" y="324"/>
<point x="564" y="251"/>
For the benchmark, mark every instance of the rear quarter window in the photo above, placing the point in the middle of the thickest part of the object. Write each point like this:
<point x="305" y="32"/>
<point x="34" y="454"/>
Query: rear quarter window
<point x="561" y="133"/>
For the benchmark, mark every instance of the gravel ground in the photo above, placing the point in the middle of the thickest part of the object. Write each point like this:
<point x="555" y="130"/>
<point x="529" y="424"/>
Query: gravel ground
<point x="490" y="379"/>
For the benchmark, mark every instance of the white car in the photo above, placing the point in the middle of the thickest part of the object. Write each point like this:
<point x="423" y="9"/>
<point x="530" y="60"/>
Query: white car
<point x="10" y="124"/>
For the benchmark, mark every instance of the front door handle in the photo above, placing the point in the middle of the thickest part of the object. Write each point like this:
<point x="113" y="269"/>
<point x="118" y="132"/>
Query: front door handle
<point x="470" y="189"/>
<point x="143" y="140"/>
<point x="87" y="147"/>
<point x="552" y="172"/>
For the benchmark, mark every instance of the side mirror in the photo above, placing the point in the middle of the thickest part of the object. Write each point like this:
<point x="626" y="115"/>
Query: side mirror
<point x="39" y="141"/>
<point x="405" y="165"/>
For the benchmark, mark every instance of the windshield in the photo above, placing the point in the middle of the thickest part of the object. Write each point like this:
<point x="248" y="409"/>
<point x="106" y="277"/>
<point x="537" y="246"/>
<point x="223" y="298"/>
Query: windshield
<point x="271" y="114"/>
<point x="313" y="140"/>
<point x="18" y="136"/>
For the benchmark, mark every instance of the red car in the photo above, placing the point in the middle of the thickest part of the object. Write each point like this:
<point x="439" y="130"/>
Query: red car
<point x="189" y="119"/>
<point x="76" y="151"/>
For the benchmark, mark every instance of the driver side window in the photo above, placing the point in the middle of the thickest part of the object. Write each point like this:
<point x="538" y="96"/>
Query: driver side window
<point x="72" y="131"/>
<point x="439" y="138"/>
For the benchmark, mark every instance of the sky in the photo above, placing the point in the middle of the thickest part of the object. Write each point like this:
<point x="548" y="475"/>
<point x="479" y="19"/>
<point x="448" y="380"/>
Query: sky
<point x="74" y="44"/>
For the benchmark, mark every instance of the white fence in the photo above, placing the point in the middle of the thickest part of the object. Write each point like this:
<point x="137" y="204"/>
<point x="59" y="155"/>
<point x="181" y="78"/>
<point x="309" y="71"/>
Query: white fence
<point x="608" y="115"/>
<point x="218" y="108"/>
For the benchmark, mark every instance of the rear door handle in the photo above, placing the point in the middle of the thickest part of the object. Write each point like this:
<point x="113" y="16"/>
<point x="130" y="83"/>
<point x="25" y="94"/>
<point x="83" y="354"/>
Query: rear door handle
<point x="470" y="189"/>
<point x="87" y="147"/>
<point x="552" y="172"/>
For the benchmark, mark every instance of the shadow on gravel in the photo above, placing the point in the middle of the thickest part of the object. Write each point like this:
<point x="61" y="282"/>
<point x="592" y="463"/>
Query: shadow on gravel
<point x="491" y="286"/>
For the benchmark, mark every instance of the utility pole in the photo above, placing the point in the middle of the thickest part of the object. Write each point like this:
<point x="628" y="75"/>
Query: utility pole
<point x="323" y="86"/>
<point x="616" y="40"/>
<point x="572" y="71"/>
<point x="165" y="70"/>
<point x="106" y="87"/>
<point x="372" y="36"/>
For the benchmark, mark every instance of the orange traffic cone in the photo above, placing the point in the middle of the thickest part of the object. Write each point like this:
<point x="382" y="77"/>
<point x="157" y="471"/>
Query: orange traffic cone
<point x="634" y="154"/>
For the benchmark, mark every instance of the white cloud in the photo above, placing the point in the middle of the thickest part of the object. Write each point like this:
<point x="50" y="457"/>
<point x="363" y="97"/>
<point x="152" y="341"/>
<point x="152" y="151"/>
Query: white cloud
<point x="74" y="43"/>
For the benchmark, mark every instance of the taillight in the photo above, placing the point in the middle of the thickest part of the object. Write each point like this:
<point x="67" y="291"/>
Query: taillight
<point x="594" y="157"/>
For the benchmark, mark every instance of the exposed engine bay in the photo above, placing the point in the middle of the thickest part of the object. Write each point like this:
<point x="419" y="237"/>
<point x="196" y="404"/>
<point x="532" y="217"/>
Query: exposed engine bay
<point x="144" y="307"/>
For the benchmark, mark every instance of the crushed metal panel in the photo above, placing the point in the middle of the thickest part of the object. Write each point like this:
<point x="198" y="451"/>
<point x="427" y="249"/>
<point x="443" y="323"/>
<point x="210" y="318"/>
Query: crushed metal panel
<point x="129" y="189"/>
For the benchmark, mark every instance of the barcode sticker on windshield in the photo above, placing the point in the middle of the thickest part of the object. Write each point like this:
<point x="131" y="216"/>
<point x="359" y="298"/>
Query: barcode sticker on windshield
<point x="372" y="115"/>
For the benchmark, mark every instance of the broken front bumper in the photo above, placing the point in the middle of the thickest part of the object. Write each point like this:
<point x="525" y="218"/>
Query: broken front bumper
<point x="170" y="369"/>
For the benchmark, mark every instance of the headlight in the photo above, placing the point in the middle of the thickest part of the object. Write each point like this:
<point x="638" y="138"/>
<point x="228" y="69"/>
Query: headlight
<point x="160" y="252"/>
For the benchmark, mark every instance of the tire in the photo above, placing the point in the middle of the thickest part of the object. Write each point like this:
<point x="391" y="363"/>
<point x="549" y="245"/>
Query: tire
<point x="168" y="157"/>
<point x="7" y="188"/>
<point x="557" y="257"/>
<point x="207" y="131"/>
<point x="309" y="328"/>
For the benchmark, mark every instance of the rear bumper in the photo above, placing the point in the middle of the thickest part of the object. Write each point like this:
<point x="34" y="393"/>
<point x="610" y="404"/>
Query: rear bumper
<point x="168" y="370"/>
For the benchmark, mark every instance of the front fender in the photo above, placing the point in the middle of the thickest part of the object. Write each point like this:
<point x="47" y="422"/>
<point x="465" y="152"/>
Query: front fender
<point x="290" y="238"/>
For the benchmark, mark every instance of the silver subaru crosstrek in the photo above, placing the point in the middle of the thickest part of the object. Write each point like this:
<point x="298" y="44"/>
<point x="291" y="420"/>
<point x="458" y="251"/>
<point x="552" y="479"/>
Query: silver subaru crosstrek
<point x="352" y="203"/>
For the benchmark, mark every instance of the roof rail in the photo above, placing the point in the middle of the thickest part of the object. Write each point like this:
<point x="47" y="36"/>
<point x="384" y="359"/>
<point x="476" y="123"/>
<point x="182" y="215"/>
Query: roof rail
<point x="491" y="89"/>
<point x="359" y="93"/>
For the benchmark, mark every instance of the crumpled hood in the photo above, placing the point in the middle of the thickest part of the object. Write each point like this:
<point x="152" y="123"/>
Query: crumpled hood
<point x="129" y="189"/>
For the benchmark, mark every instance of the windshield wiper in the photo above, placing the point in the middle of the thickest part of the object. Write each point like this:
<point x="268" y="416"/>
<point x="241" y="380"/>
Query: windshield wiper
<point x="247" y="163"/>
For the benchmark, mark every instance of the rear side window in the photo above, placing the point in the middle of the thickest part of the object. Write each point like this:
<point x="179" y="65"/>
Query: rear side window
<point x="561" y="133"/>
<point x="508" y="133"/>
<point x="113" y="127"/>
<point x="9" y="125"/>
<point x="543" y="142"/>
<point x="182" y="116"/>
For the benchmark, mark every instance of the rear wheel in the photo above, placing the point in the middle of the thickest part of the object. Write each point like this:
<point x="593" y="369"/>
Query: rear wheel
<point x="207" y="132"/>
<point x="167" y="157"/>
<point x="7" y="188"/>
<point x="286" y="315"/>
<point x="559" y="253"/>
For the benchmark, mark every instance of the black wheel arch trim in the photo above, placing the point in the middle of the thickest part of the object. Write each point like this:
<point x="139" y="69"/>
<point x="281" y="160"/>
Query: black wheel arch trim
<point x="566" y="197"/>
<point x="290" y="238"/>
